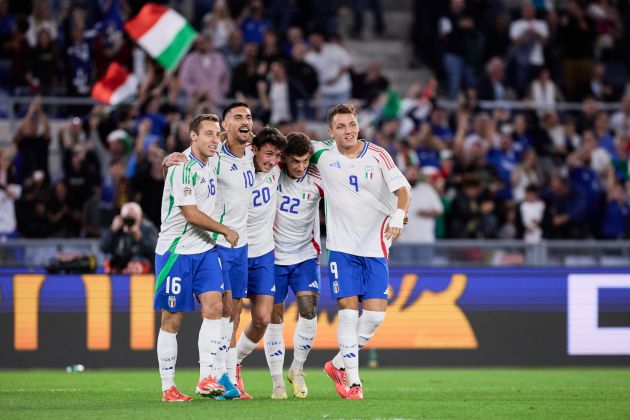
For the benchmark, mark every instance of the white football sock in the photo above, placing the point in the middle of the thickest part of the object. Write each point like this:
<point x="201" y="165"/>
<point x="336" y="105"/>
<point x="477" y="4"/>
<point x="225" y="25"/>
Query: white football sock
<point x="244" y="347"/>
<point x="209" y="340"/>
<point x="369" y="321"/>
<point x="167" y="357"/>
<point x="303" y="341"/>
<point x="231" y="364"/>
<point x="274" y="351"/>
<point x="348" y="343"/>
<point x="219" y="366"/>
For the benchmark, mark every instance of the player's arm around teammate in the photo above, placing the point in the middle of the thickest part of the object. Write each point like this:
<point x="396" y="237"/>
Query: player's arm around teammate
<point x="187" y="263"/>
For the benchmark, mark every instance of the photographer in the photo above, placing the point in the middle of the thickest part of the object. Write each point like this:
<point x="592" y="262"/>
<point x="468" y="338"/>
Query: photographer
<point x="130" y="241"/>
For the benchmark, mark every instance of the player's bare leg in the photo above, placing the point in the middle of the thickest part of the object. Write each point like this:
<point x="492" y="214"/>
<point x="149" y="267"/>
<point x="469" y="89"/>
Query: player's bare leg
<point x="275" y="351"/>
<point x="209" y="342"/>
<point x="261" y="308"/>
<point x="303" y="338"/>
<point x="167" y="355"/>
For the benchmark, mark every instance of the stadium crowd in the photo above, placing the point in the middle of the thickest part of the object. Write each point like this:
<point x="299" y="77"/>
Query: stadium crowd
<point x="533" y="172"/>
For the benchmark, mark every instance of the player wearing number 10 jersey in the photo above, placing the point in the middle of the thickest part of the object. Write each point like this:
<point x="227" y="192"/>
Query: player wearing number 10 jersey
<point x="296" y="234"/>
<point x="186" y="260"/>
<point x="366" y="201"/>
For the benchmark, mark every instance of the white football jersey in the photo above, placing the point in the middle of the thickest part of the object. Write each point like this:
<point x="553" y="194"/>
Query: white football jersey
<point x="235" y="179"/>
<point x="192" y="183"/>
<point x="359" y="197"/>
<point x="296" y="228"/>
<point x="262" y="211"/>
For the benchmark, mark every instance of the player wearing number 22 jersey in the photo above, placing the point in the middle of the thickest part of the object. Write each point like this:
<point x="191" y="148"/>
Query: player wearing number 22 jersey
<point x="366" y="201"/>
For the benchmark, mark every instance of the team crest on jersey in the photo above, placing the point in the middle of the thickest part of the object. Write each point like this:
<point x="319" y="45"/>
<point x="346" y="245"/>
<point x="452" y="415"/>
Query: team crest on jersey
<point x="369" y="172"/>
<point x="306" y="196"/>
<point x="187" y="191"/>
<point x="336" y="164"/>
<point x="335" y="287"/>
<point x="172" y="301"/>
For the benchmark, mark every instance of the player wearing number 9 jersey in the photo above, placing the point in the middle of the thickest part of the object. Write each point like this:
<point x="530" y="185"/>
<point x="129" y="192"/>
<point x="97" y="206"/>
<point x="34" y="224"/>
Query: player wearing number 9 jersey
<point x="186" y="260"/>
<point x="366" y="201"/>
<point x="267" y="147"/>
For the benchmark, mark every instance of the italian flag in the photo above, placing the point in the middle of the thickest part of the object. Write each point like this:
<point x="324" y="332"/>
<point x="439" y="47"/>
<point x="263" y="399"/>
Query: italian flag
<point x="117" y="85"/>
<point x="163" y="33"/>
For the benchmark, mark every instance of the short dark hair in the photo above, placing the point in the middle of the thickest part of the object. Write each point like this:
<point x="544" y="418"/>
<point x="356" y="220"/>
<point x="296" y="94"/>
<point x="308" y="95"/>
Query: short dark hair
<point x="231" y="106"/>
<point x="341" y="109"/>
<point x="531" y="188"/>
<point x="272" y="136"/>
<point x="196" y="122"/>
<point x="298" y="144"/>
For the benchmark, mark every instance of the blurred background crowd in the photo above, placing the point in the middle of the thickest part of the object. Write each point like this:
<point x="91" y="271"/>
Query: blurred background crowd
<point x="546" y="159"/>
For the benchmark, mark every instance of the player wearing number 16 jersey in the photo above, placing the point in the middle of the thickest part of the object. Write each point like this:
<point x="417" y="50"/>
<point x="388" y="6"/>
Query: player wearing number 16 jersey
<point x="186" y="260"/>
<point x="366" y="201"/>
<point x="296" y="234"/>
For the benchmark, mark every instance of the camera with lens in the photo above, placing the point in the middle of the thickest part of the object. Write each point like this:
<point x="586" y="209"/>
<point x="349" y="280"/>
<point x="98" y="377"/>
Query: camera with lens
<point x="129" y="221"/>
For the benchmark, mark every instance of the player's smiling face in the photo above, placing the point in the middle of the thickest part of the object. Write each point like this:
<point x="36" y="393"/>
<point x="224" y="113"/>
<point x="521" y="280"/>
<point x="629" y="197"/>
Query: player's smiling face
<point x="296" y="166"/>
<point x="266" y="157"/>
<point x="205" y="143"/>
<point x="344" y="129"/>
<point x="238" y="124"/>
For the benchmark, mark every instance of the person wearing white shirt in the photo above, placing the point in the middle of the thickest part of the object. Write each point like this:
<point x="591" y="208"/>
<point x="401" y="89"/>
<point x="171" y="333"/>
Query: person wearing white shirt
<point x="532" y="210"/>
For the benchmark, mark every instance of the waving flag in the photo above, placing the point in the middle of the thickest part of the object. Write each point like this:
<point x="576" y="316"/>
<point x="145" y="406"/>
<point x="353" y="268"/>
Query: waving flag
<point x="117" y="85"/>
<point x="163" y="33"/>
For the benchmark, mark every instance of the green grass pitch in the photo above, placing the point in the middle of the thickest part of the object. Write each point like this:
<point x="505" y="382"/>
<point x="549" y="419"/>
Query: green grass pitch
<point x="389" y="393"/>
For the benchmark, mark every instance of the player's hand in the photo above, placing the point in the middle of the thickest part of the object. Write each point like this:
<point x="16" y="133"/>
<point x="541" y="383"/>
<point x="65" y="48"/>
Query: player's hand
<point x="117" y="223"/>
<point x="174" y="159"/>
<point x="231" y="236"/>
<point x="392" y="233"/>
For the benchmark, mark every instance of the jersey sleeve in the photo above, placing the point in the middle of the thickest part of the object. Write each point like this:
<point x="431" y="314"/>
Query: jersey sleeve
<point x="394" y="179"/>
<point x="182" y="180"/>
<point x="319" y="147"/>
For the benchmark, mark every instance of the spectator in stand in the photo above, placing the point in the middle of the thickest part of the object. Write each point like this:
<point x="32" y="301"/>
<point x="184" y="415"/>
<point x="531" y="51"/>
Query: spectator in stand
<point x="370" y="83"/>
<point x="358" y="8"/>
<point x="78" y="64"/>
<point x="247" y="74"/>
<point x="497" y="39"/>
<point x="270" y="50"/>
<point x="428" y="146"/>
<point x="30" y="208"/>
<point x="233" y="51"/>
<point x="601" y="129"/>
<point x="219" y="25"/>
<point x="608" y="27"/>
<point x="525" y="174"/>
<point x="531" y="212"/>
<point x="617" y="209"/>
<point x="204" y="72"/>
<point x="130" y="242"/>
<point x="598" y="87"/>
<point x="10" y="190"/>
<point x="148" y="183"/>
<point x="115" y="190"/>
<point x="93" y="215"/>
<point x="301" y="71"/>
<point x="565" y="211"/>
<point x="550" y="141"/>
<point x="577" y="36"/>
<point x="503" y="158"/>
<point x="253" y="23"/>
<point x="543" y="92"/>
<point x="281" y="94"/>
<point x="80" y="175"/>
<point x="426" y="208"/>
<point x="620" y="120"/>
<point x="294" y="36"/>
<point x="529" y="36"/>
<point x="458" y="35"/>
<point x="439" y="125"/>
<point x="332" y="63"/>
<point x="19" y="51"/>
<point x="42" y="75"/>
<point x="471" y="215"/>
<point x="64" y="220"/>
<point x="521" y="137"/>
<point x="585" y="120"/>
<point x="493" y="87"/>
<point x="32" y="139"/>
<point x="41" y="18"/>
